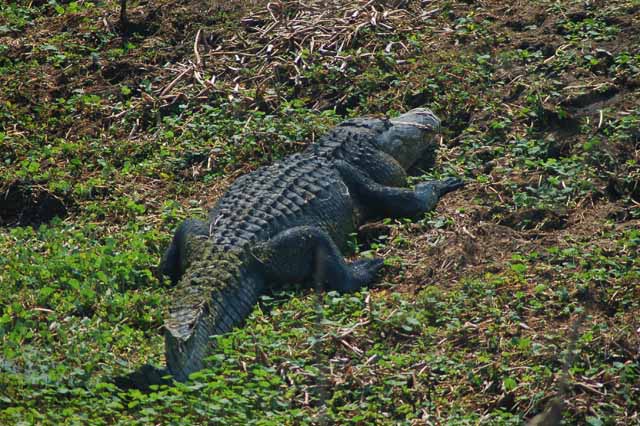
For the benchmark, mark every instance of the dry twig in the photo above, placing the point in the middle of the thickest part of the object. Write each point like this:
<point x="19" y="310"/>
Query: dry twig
<point x="286" y="38"/>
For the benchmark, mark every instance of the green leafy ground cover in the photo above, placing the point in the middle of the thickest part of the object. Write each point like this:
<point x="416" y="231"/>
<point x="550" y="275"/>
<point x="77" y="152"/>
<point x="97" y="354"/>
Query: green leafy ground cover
<point x="473" y="318"/>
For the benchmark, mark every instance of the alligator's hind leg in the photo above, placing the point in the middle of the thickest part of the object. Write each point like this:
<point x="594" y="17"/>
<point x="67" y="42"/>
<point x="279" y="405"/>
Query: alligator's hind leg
<point x="306" y="253"/>
<point x="176" y="258"/>
<point x="380" y="200"/>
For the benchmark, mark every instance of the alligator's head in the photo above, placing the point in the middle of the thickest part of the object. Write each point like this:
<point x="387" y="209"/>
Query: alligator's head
<point x="410" y="136"/>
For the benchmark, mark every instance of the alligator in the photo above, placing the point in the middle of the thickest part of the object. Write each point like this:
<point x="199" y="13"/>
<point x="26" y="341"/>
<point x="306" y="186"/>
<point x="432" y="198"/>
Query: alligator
<point x="289" y="222"/>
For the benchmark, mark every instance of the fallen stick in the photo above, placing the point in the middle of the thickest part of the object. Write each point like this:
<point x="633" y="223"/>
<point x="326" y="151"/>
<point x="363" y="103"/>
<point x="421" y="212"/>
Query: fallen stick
<point x="195" y="48"/>
<point x="175" y="81"/>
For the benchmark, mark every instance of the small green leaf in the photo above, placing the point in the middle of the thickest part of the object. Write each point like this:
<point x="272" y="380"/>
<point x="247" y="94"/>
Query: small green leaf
<point x="519" y="268"/>
<point x="594" y="421"/>
<point x="509" y="384"/>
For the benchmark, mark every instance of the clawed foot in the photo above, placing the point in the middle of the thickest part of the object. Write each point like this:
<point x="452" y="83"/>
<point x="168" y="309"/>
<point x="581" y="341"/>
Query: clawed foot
<point x="365" y="270"/>
<point x="440" y="187"/>
<point x="430" y="192"/>
<point x="447" y="185"/>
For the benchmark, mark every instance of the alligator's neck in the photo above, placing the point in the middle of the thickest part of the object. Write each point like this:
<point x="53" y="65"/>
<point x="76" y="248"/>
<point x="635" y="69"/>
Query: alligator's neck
<point x="349" y="135"/>
<point x="215" y="294"/>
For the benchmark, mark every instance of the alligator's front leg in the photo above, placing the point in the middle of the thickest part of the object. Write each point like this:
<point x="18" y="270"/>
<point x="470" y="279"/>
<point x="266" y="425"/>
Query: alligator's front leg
<point x="305" y="253"/>
<point x="175" y="259"/>
<point x="387" y="201"/>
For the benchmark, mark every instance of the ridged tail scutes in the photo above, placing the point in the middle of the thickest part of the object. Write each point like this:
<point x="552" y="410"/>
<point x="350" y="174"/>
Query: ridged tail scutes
<point x="186" y="342"/>
<point x="214" y="296"/>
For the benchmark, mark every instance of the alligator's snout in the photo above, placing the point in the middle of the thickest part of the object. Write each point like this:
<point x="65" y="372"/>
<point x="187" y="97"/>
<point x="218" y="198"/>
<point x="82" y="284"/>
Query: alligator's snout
<point x="420" y="118"/>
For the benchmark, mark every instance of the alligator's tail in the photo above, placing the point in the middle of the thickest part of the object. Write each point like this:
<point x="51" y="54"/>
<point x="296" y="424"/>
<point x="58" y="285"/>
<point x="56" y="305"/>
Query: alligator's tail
<point x="214" y="295"/>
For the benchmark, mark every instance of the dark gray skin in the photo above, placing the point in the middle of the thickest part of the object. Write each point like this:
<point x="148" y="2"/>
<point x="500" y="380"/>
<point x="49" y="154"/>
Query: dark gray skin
<point x="288" y="222"/>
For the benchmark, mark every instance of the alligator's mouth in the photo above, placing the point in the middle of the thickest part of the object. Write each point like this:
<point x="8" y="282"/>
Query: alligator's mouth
<point x="429" y="127"/>
<point x="421" y="118"/>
